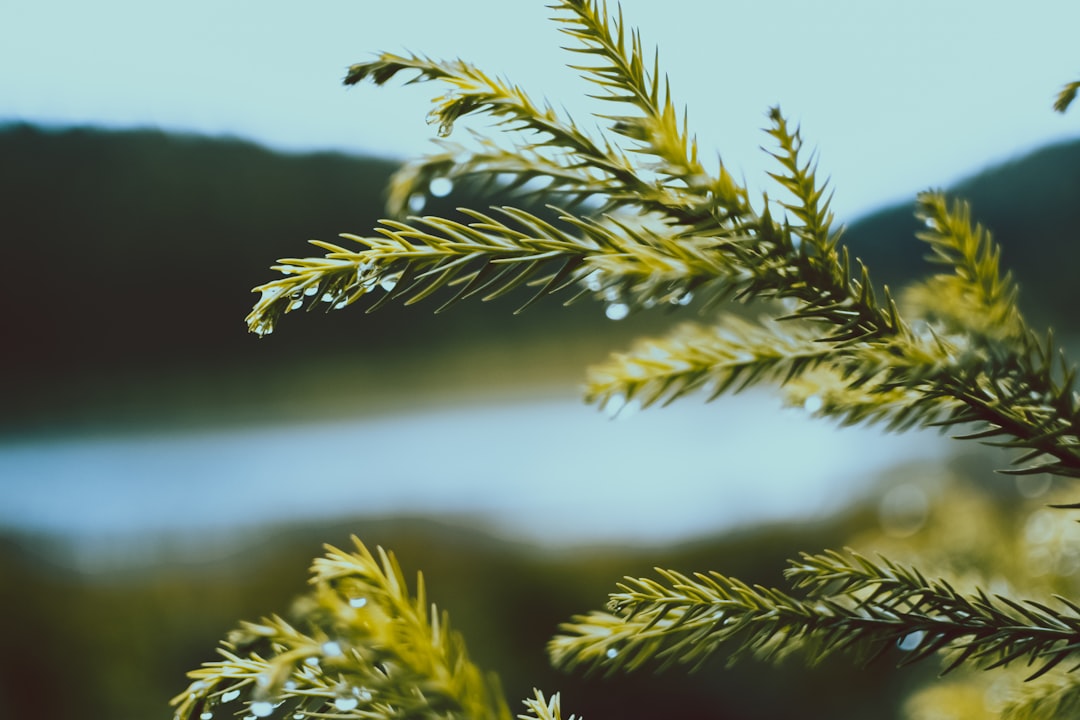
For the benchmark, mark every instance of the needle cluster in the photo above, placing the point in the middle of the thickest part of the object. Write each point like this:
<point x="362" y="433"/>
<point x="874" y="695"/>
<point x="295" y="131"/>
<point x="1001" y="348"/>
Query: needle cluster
<point x="638" y="221"/>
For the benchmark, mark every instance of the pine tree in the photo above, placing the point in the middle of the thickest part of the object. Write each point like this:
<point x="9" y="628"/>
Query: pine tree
<point x="637" y="221"/>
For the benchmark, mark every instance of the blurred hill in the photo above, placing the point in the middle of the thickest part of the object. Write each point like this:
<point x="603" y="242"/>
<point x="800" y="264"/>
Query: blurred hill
<point x="119" y="643"/>
<point x="130" y="256"/>
<point x="1032" y="207"/>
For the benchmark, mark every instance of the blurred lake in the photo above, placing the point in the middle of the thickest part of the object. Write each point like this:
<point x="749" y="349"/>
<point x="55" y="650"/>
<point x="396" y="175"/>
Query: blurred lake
<point x="546" y="469"/>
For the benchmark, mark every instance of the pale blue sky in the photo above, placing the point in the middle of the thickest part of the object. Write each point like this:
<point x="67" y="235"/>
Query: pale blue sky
<point x="897" y="96"/>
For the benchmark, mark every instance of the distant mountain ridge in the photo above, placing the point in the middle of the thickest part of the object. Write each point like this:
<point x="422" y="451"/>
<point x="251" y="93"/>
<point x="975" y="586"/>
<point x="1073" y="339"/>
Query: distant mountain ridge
<point x="1031" y="205"/>
<point x="132" y="253"/>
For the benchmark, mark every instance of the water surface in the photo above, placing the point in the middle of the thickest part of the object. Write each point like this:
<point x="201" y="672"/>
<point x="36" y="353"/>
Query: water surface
<point x="548" y="470"/>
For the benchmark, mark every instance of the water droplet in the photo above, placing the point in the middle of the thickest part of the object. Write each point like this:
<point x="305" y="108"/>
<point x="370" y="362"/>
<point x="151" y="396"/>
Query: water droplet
<point x="309" y="291"/>
<point x="338" y="306"/>
<point x="312" y="662"/>
<point x="1040" y="528"/>
<point x="617" y="311"/>
<point x="270" y="293"/>
<point x="262" y="708"/>
<point x="417" y="202"/>
<point x="327" y="297"/>
<point x="611" y="653"/>
<point x="911" y="641"/>
<point x="296" y="305"/>
<point x="441" y="186"/>
<point x="332" y="649"/>
<point x="685" y="299"/>
<point x="813" y="404"/>
<point x="358" y="602"/>
<point x="903" y="510"/>
<point x="364" y="694"/>
<point x="1032" y="486"/>
<point x="230" y="696"/>
<point x="593" y="281"/>
<point x="390" y="282"/>
<point x="613" y="405"/>
<point x="206" y="715"/>
<point x="299" y="716"/>
<point x="346" y="703"/>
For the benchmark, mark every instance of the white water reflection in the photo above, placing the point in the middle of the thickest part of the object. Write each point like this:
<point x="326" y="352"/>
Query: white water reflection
<point x="551" y="471"/>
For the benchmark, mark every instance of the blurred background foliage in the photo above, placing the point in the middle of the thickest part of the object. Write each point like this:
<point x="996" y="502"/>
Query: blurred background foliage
<point x="129" y="257"/>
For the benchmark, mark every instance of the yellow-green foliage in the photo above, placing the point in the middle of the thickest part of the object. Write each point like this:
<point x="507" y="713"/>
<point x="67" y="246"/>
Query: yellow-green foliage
<point x="365" y="648"/>
<point x="643" y="223"/>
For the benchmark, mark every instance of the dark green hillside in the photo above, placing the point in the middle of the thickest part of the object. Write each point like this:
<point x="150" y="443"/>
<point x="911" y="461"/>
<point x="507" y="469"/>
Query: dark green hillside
<point x="1031" y="205"/>
<point x="131" y="255"/>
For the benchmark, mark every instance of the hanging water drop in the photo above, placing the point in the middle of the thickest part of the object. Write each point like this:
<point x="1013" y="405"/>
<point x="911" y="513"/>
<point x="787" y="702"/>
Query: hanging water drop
<point x="206" y="715"/>
<point x="332" y="649"/>
<point x="357" y="602"/>
<point x="613" y="405"/>
<point x="617" y="311"/>
<point x="440" y="186"/>
<point x="417" y="202"/>
<point x="365" y="694"/>
<point x="593" y="281"/>
<point x="230" y="696"/>
<point x="346" y="703"/>
<point x="611" y="653"/>
<point x="311" y="290"/>
<point x="1032" y="486"/>
<point x="911" y="641"/>
<point x="270" y="293"/>
<point x="904" y="510"/>
<point x="296" y="305"/>
<point x="390" y="282"/>
<point x="262" y="708"/>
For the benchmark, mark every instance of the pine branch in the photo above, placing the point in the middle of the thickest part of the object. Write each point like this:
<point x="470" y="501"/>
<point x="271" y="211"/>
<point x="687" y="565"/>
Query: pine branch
<point x="490" y="257"/>
<point x="1066" y="96"/>
<point x="729" y="356"/>
<point x="826" y="391"/>
<point x="713" y="244"/>
<point x="976" y="298"/>
<point x="363" y="648"/>
<point x="541" y="708"/>
<point x="625" y="77"/>
<point x="1058" y="698"/>
<point x="474" y="92"/>
<point x="488" y="168"/>
<point x="852" y="606"/>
